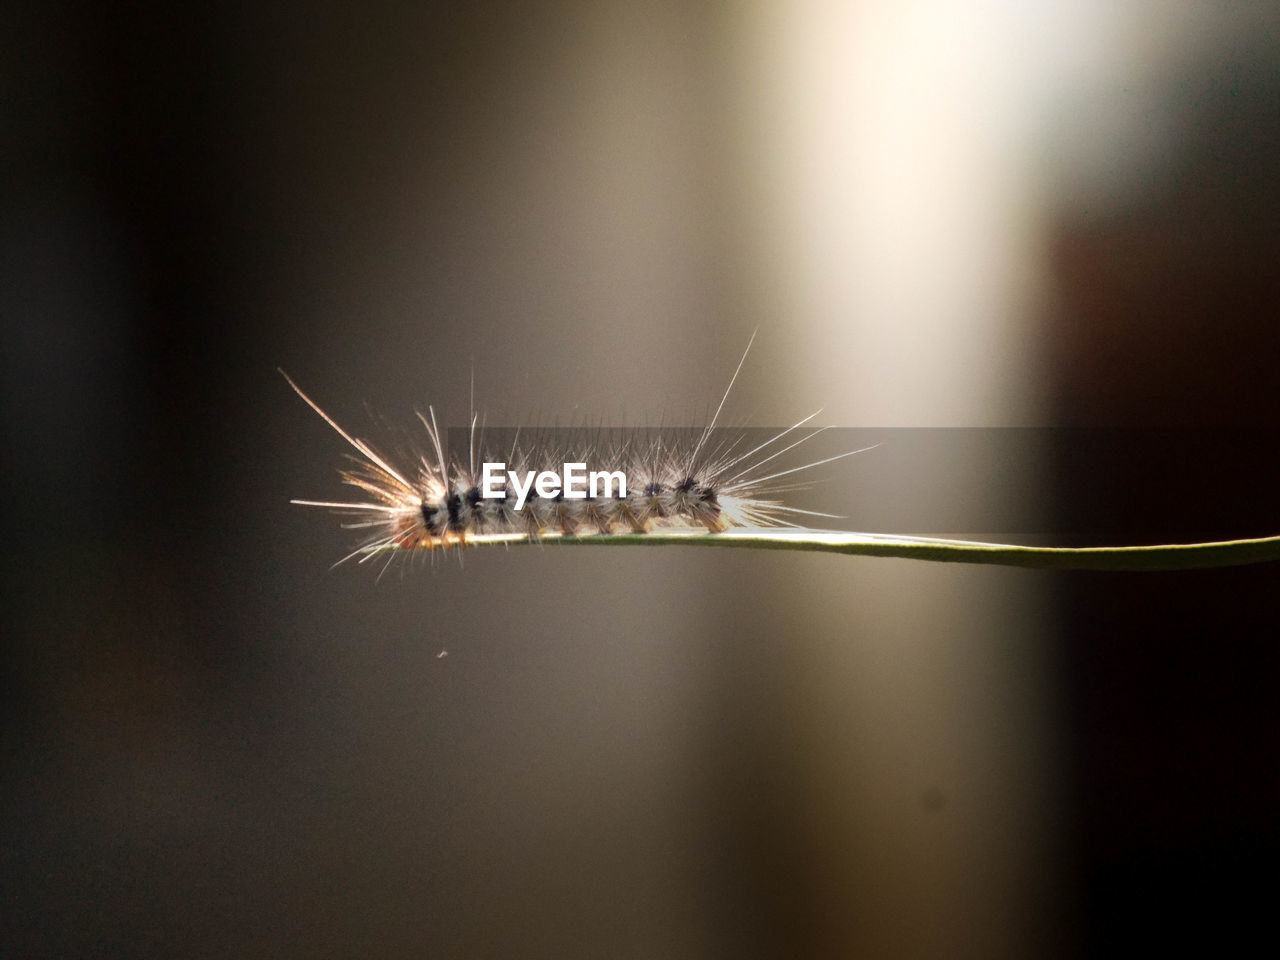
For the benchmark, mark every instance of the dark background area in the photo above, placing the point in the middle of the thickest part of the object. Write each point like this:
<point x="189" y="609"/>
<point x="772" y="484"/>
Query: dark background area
<point x="213" y="746"/>
<point x="1169" y="317"/>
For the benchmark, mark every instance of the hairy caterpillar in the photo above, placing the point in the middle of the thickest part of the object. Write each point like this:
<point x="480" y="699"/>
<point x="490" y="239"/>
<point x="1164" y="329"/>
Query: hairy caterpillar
<point x="680" y="480"/>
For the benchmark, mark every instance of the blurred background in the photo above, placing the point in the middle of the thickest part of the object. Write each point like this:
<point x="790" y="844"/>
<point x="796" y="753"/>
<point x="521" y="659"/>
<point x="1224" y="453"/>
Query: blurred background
<point x="946" y="215"/>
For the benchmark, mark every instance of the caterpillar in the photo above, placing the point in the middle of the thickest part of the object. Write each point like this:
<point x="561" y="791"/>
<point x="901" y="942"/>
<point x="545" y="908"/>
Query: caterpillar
<point x="701" y="480"/>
